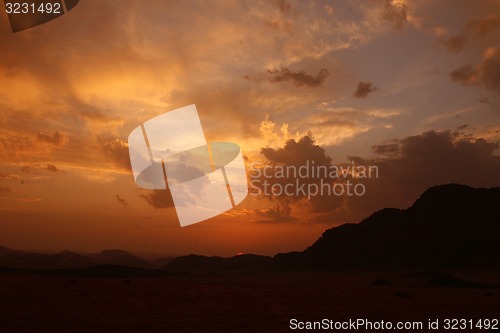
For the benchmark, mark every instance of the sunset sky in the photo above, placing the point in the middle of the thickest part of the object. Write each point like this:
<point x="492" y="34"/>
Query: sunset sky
<point x="410" y="86"/>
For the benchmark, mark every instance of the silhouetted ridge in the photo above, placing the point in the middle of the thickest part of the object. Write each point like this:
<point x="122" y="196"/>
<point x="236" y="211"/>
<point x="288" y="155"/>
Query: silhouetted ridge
<point x="5" y="251"/>
<point x="448" y="225"/>
<point x="30" y="260"/>
<point x="460" y="202"/>
<point x="201" y="263"/>
<point x="120" y="257"/>
<point x="67" y="259"/>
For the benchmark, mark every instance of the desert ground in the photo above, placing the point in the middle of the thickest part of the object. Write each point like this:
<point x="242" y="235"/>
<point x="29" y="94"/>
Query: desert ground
<point x="258" y="301"/>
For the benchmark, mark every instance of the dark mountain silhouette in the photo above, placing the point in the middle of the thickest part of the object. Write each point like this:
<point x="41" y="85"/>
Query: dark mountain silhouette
<point x="5" y="251"/>
<point x="67" y="260"/>
<point x="31" y="260"/>
<point x="120" y="257"/>
<point x="449" y="225"/>
<point x="201" y="263"/>
<point x="162" y="261"/>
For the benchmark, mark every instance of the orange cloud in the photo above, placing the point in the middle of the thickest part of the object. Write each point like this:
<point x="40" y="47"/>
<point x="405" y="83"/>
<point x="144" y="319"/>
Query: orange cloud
<point x="159" y="199"/>
<point x="54" y="139"/>
<point x="298" y="78"/>
<point x="396" y="12"/>
<point x="486" y="73"/>
<point x="478" y="30"/>
<point x="364" y="89"/>
<point x="121" y="200"/>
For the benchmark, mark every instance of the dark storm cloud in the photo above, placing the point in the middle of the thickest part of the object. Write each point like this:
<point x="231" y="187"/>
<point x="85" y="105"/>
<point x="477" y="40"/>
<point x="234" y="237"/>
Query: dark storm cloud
<point x="115" y="150"/>
<point x="55" y="139"/>
<point x="300" y="78"/>
<point x="421" y="161"/>
<point x="387" y="149"/>
<point x="486" y="73"/>
<point x="476" y="30"/>
<point x="407" y="167"/>
<point x="121" y="200"/>
<point x="52" y="168"/>
<point x="159" y="199"/>
<point x="396" y="13"/>
<point x="293" y="154"/>
<point x="364" y="89"/>
<point x="297" y="152"/>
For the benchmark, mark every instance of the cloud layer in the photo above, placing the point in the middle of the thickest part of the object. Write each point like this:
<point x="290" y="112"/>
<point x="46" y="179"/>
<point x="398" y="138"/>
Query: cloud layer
<point x="486" y="73"/>
<point x="406" y="167"/>
<point x="364" y="89"/>
<point x="298" y="78"/>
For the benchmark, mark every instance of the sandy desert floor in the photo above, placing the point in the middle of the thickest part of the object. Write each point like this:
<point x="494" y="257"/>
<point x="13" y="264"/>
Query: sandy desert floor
<point x="237" y="301"/>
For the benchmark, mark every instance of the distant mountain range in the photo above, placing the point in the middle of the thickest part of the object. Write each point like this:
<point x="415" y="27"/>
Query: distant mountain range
<point x="449" y="225"/>
<point x="68" y="260"/>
